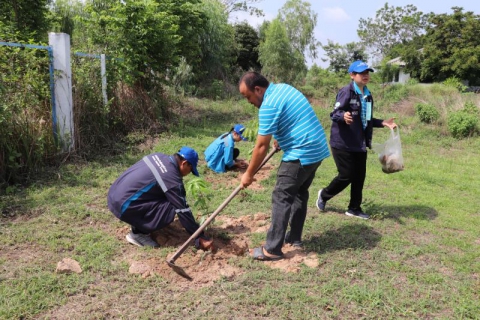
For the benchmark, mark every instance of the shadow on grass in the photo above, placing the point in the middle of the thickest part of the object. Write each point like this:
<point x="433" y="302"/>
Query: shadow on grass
<point x="396" y="213"/>
<point x="351" y="236"/>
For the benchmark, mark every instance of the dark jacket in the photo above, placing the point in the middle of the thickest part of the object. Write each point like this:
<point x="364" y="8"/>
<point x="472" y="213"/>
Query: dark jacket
<point x="148" y="202"/>
<point x="351" y="137"/>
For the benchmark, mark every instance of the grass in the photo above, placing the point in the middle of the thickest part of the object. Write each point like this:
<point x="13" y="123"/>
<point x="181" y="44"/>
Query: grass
<point x="418" y="258"/>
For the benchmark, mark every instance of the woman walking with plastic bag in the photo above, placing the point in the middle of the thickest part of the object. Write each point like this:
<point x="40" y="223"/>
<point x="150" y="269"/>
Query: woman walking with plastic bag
<point x="351" y="135"/>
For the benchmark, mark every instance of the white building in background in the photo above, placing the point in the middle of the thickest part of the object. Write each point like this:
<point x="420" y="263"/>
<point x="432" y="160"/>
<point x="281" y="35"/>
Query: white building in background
<point x="400" y="76"/>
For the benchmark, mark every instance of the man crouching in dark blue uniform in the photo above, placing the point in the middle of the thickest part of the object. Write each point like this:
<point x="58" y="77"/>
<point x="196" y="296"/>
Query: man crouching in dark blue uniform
<point x="150" y="193"/>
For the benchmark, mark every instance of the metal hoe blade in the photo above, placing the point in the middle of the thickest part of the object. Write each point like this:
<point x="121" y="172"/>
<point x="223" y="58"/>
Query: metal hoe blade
<point x="179" y="270"/>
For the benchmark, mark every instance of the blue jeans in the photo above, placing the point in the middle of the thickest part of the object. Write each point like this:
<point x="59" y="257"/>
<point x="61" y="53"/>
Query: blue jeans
<point x="289" y="203"/>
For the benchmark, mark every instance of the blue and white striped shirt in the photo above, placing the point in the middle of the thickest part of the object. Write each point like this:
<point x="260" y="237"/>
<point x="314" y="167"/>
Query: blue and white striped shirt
<point x="286" y="114"/>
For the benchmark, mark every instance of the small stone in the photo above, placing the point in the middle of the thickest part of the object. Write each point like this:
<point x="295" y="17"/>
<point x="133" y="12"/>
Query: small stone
<point x="68" y="265"/>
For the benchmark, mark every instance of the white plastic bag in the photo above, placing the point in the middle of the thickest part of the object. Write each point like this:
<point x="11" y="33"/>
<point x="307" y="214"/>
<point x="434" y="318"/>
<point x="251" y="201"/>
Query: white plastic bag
<point x="390" y="153"/>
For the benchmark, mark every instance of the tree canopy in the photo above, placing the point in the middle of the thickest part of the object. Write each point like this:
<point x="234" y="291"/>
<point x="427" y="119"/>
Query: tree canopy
<point x="340" y="57"/>
<point x="247" y="41"/>
<point x="242" y="5"/>
<point x="281" y="62"/>
<point x="391" y="26"/>
<point x="25" y="17"/>
<point x="452" y="47"/>
<point x="300" y="22"/>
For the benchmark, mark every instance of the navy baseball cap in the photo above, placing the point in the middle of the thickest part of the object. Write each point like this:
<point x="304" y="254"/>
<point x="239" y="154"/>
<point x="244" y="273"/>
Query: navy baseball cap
<point x="359" y="66"/>
<point x="239" y="128"/>
<point x="191" y="156"/>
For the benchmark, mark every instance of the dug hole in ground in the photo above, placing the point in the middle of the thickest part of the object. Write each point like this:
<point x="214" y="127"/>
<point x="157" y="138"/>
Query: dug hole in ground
<point x="206" y="267"/>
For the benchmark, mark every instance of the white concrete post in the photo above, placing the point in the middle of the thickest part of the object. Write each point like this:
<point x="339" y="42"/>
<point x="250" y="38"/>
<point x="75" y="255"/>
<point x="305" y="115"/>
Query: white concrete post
<point x="60" y="42"/>
<point x="103" y="69"/>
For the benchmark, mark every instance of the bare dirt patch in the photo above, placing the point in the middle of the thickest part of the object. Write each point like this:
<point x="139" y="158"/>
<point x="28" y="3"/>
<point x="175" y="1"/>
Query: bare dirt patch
<point x="232" y="241"/>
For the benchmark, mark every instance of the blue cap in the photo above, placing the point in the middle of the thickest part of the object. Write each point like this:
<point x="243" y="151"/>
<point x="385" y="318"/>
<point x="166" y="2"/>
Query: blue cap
<point x="359" y="66"/>
<point x="239" y="128"/>
<point x="191" y="156"/>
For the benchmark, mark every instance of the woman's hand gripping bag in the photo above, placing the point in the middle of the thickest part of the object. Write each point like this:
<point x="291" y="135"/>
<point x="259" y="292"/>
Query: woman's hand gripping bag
<point x="390" y="153"/>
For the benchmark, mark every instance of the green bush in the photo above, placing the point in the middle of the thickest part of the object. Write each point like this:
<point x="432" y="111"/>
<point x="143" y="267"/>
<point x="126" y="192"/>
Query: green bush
<point x="323" y="82"/>
<point x="471" y="108"/>
<point x="308" y="91"/>
<point x="462" y="124"/>
<point x="454" y="82"/>
<point x="427" y="113"/>
<point x="26" y="134"/>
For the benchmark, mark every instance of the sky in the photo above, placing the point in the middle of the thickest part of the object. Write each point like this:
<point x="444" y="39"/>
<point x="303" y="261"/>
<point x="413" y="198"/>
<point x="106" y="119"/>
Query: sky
<point x="337" y="20"/>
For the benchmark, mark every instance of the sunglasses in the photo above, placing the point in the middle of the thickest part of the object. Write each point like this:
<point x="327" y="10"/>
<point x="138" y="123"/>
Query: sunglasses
<point x="364" y="73"/>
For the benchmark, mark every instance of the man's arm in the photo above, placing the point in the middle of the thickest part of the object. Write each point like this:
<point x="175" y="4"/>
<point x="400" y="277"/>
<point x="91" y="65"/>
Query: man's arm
<point x="182" y="210"/>
<point x="259" y="152"/>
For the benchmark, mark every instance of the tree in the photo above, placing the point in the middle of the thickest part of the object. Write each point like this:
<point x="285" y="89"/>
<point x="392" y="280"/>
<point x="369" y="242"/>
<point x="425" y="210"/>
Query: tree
<point x="62" y="15"/>
<point x="340" y="57"/>
<point x="150" y="35"/>
<point x="391" y="25"/>
<point x="262" y="30"/>
<point x="300" y="22"/>
<point x="247" y="45"/>
<point x="452" y="47"/>
<point x="26" y="17"/>
<point x="280" y="61"/>
<point x="242" y="5"/>
<point x="192" y="24"/>
<point x="217" y="41"/>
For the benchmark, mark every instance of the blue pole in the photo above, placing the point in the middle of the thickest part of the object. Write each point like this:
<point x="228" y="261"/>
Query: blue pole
<point x="21" y="45"/>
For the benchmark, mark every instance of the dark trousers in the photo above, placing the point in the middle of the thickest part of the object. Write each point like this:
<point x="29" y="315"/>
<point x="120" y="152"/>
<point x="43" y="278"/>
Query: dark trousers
<point x="236" y="153"/>
<point x="352" y="167"/>
<point x="289" y="203"/>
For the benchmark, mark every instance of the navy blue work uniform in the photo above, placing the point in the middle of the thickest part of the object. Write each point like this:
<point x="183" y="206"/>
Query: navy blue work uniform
<point x="351" y="137"/>
<point x="349" y="143"/>
<point x="150" y="193"/>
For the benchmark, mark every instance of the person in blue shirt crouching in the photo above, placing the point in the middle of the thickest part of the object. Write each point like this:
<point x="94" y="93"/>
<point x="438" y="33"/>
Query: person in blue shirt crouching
<point x="221" y="155"/>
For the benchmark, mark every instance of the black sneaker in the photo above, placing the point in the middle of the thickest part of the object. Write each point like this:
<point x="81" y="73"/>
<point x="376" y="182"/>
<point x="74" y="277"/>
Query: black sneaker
<point x="296" y="243"/>
<point x="320" y="202"/>
<point x="357" y="213"/>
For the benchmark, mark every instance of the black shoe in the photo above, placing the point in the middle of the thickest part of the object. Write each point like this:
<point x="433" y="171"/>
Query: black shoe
<point x="357" y="213"/>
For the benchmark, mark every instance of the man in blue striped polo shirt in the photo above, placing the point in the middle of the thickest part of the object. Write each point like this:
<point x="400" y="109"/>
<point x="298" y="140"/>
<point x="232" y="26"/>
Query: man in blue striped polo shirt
<point x="287" y="116"/>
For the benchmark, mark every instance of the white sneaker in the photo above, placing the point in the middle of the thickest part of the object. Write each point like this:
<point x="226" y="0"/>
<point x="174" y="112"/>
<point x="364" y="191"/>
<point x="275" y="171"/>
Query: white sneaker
<point x="358" y="214"/>
<point x="141" y="240"/>
<point x="320" y="202"/>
